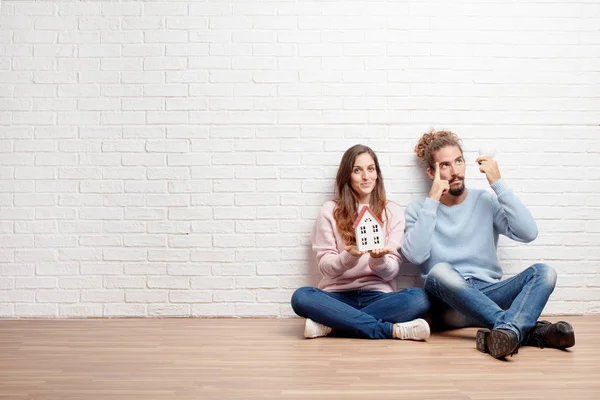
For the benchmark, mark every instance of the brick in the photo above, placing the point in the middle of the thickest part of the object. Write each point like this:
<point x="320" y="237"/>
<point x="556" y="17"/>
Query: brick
<point x="182" y="310"/>
<point x="80" y="311"/>
<point x="124" y="310"/>
<point x="190" y="296"/>
<point x="146" y="296"/>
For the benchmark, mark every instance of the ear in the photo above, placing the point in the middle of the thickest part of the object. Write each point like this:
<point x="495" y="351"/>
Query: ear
<point x="430" y="173"/>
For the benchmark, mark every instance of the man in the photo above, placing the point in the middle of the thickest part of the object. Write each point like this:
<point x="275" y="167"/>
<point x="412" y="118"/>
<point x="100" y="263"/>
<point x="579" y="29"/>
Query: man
<point x="453" y="234"/>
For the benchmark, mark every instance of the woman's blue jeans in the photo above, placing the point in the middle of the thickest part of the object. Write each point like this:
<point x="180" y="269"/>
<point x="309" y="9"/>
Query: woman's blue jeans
<point x="360" y="313"/>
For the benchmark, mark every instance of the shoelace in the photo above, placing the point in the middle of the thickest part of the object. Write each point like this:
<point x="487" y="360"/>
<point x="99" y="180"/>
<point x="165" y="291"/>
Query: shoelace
<point x="408" y="331"/>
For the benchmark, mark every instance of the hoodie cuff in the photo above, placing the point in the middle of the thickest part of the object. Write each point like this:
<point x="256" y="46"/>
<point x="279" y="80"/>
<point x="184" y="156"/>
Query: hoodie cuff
<point x="348" y="260"/>
<point x="500" y="186"/>
<point x="430" y="205"/>
<point x="377" y="263"/>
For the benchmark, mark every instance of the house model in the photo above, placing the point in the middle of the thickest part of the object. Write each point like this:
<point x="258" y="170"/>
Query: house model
<point x="369" y="230"/>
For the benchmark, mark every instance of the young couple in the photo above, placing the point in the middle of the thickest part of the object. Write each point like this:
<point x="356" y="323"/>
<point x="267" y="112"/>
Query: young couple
<point x="452" y="234"/>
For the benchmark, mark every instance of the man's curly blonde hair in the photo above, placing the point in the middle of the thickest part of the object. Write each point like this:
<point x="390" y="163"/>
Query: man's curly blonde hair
<point x="432" y="141"/>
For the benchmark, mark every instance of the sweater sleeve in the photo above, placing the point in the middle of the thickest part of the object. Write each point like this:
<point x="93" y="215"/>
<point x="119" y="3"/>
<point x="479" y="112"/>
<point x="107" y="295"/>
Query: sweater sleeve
<point x="511" y="217"/>
<point x="420" y="224"/>
<point x="330" y="262"/>
<point x="388" y="266"/>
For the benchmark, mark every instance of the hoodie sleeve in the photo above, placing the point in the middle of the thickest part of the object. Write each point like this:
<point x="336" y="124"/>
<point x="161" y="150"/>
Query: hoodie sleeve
<point x="511" y="217"/>
<point x="420" y="224"/>
<point x="330" y="262"/>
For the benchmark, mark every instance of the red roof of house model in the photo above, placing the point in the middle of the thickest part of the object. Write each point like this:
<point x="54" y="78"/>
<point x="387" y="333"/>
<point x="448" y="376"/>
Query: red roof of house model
<point x="362" y="213"/>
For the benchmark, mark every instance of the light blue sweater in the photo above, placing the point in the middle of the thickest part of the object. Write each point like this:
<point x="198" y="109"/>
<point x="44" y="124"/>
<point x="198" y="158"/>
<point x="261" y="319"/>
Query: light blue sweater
<point x="466" y="235"/>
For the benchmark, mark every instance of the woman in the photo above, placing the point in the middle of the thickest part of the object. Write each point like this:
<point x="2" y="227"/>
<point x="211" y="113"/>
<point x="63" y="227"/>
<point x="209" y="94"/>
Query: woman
<point x="356" y="296"/>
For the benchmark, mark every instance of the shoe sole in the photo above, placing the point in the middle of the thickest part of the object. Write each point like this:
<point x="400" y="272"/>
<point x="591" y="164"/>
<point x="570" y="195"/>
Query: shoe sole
<point x="500" y="345"/>
<point x="497" y="344"/>
<point x="481" y="339"/>
<point x="308" y="334"/>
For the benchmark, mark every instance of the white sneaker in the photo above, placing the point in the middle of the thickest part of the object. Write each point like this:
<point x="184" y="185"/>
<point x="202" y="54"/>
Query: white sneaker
<point x="417" y="329"/>
<point x="314" y="330"/>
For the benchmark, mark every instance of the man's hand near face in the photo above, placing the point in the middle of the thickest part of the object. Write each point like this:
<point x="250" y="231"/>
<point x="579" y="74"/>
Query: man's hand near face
<point x="439" y="186"/>
<point x="489" y="167"/>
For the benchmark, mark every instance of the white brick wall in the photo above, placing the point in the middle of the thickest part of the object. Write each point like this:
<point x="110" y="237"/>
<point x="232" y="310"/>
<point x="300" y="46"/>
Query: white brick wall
<point x="168" y="157"/>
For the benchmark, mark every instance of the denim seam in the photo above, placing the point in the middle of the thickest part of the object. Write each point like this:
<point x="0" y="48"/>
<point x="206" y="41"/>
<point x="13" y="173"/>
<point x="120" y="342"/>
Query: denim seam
<point x="522" y="304"/>
<point x="494" y="286"/>
<point x="436" y="285"/>
<point x="520" y="309"/>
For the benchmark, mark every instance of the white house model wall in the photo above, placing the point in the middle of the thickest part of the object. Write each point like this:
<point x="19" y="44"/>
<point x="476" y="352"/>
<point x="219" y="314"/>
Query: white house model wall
<point x="369" y="231"/>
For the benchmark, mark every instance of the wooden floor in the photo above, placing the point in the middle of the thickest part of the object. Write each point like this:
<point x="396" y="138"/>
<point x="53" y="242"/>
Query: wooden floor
<point x="269" y="359"/>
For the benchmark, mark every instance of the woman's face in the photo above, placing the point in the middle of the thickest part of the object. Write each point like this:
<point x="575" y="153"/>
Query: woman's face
<point x="363" y="177"/>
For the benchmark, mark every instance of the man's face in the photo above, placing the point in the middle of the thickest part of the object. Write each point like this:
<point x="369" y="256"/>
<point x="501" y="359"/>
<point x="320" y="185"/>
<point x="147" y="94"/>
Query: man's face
<point x="452" y="168"/>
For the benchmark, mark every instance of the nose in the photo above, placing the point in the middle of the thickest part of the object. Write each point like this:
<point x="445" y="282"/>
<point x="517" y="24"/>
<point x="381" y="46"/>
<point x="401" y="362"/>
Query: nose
<point x="365" y="176"/>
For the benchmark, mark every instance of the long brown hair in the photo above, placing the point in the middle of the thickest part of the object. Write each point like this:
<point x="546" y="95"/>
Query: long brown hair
<point x="346" y="208"/>
<point x="432" y="141"/>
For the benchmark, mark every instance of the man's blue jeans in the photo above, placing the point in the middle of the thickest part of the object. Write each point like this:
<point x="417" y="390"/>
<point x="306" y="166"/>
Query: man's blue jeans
<point x="360" y="313"/>
<point x="514" y="303"/>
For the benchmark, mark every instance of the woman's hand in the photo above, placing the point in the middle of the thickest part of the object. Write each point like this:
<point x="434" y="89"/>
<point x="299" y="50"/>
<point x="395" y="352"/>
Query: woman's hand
<point x="353" y="250"/>
<point x="378" y="253"/>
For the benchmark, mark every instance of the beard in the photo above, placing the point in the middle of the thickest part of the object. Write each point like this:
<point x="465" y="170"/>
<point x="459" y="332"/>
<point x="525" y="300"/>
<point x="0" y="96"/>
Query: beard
<point x="457" y="191"/>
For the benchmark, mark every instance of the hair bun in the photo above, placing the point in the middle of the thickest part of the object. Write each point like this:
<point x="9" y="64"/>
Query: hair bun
<point x="428" y="138"/>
